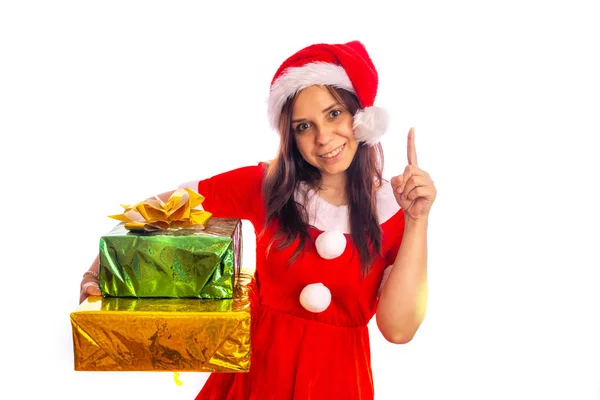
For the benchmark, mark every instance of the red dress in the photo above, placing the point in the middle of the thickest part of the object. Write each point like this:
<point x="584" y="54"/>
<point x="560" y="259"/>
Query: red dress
<point x="297" y="354"/>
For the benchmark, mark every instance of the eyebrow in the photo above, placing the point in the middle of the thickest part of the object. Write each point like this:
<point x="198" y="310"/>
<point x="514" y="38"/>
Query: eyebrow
<point x="336" y="104"/>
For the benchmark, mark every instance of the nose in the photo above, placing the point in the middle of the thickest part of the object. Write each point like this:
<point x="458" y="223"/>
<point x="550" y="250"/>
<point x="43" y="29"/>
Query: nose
<point x="325" y="134"/>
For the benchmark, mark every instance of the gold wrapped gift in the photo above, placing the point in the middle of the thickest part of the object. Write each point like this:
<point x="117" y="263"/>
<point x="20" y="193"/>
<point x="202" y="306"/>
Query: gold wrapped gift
<point x="157" y="334"/>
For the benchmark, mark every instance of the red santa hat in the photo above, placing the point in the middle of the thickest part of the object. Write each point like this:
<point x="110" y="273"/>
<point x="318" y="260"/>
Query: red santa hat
<point x="347" y="66"/>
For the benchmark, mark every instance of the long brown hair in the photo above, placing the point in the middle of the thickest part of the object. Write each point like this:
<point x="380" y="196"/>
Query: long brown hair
<point x="288" y="169"/>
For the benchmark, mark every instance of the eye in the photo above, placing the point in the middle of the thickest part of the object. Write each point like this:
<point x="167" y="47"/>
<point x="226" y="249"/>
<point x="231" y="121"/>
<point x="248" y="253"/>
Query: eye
<point x="335" y="113"/>
<point x="302" y="127"/>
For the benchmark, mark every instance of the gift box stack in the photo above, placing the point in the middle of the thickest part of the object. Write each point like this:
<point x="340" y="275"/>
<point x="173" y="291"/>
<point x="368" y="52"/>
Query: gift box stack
<point x="174" y="297"/>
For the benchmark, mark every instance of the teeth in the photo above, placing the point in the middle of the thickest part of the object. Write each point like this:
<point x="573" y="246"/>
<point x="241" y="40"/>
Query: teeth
<point x="333" y="153"/>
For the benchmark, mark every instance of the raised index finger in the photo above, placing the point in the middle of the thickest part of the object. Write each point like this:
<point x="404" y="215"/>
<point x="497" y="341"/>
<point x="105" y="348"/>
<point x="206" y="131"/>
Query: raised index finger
<point x="411" y="149"/>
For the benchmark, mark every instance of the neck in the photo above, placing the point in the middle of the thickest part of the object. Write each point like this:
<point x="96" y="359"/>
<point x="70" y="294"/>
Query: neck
<point x="333" y="189"/>
<point x="333" y="183"/>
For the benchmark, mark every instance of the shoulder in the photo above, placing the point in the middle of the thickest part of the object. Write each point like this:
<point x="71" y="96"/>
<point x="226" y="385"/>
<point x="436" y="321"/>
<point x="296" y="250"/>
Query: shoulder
<point x="252" y="174"/>
<point x="250" y="171"/>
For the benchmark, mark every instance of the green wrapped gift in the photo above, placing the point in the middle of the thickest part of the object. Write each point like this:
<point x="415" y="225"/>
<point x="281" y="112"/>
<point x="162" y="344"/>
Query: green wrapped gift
<point x="184" y="263"/>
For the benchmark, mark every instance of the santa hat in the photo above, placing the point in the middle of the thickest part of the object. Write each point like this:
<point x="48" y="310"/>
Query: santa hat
<point x="347" y="66"/>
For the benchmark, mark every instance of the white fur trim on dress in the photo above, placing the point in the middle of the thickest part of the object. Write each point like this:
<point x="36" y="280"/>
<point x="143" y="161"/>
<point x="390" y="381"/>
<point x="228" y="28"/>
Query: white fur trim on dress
<point x="370" y="124"/>
<point x="295" y="79"/>
<point x="327" y="217"/>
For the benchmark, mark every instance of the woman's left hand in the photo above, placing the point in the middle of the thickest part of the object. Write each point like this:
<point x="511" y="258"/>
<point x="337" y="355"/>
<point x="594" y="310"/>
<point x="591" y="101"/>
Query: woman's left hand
<point x="414" y="189"/>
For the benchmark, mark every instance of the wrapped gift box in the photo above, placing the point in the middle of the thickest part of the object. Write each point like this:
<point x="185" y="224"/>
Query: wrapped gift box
<point x="164" y="334"/>
<point x="173" y="263"/>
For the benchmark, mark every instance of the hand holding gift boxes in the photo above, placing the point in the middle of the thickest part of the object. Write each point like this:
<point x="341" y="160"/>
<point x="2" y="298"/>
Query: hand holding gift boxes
<point x="174" y="299"/>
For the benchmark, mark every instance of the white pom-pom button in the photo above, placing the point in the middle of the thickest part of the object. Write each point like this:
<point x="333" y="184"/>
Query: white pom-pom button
<point x="315" y="297"/>
<point x="330" y="244"/>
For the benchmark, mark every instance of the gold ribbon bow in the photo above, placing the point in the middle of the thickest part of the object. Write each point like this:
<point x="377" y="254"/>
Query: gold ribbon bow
<point x="154" y="214"/>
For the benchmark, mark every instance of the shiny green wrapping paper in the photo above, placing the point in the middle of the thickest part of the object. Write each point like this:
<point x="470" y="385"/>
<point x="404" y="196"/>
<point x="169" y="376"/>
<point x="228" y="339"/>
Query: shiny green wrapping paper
<point x="182" y="263"/>
<point x="164" y="334"/>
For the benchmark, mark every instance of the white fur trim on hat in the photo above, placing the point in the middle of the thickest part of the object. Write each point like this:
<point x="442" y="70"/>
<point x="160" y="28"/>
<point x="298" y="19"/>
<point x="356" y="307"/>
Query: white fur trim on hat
<point x="295" y="79"/>
<point x="370" y="124"/>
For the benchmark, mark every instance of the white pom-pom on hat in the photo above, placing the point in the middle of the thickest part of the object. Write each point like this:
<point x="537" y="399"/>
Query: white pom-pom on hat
<point x="315" y="297"/>
<point x="330" y="244"/>
<point x="370" y="124"/>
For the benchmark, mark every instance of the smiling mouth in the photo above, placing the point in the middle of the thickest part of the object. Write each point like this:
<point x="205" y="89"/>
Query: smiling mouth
<point x="333" y="152"/>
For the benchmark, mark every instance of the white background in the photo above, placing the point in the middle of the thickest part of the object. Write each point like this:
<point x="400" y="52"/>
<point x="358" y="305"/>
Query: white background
<point x="103" y="103"/>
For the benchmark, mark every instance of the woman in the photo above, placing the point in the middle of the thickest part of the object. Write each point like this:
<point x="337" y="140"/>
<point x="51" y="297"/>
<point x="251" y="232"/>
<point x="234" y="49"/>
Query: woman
<point x="335" y="242"/>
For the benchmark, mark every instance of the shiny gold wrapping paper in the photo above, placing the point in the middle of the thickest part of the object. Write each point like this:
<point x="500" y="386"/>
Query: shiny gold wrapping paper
<point x="152" y="334"/>
<point x="198" y="263"/>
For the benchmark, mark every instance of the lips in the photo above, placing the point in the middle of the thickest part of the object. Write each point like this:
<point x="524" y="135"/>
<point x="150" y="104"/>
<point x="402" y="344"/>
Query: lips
<point x="333" y="152"/>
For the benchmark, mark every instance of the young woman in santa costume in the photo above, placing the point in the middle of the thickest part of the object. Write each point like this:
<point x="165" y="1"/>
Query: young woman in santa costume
<point x="336" y="243"/>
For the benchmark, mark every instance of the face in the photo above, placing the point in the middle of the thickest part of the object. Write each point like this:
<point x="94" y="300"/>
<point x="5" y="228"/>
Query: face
<point x="323" y="131"/>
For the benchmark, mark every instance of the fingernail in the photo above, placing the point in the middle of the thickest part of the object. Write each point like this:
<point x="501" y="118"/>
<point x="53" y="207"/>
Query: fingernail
<point x="399" y="190"/>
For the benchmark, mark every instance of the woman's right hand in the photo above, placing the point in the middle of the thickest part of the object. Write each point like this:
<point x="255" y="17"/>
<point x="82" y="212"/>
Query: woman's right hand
<point x="89" y="283"/>
<point x="89" y="287"/>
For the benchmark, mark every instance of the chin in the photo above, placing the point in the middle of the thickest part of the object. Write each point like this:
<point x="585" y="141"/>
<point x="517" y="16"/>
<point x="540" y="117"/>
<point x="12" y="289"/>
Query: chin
<point x="338" y="168"/>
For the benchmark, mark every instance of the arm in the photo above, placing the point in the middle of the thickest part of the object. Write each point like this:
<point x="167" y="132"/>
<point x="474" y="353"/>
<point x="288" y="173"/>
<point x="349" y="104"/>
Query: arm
<point x="233" y="194"/>
<point x="401" y="307"/>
